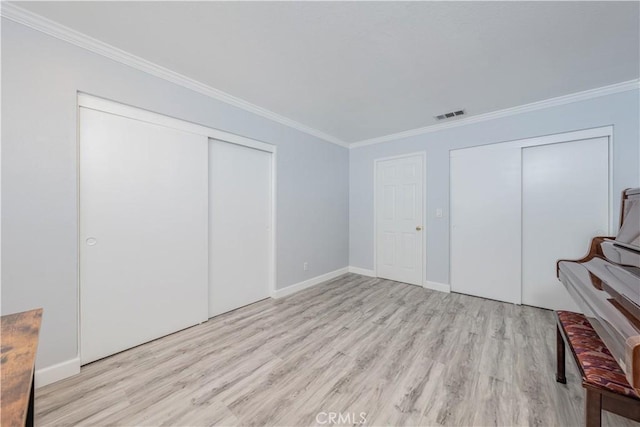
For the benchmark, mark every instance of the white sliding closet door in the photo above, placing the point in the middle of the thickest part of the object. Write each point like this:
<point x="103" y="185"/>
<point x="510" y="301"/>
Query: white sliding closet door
<point x="565" y="203"/>
<point x="485" y="222"/>
<point x="518" y="207"/>
<point x="240" y="199"/>
<point x="143" y="232"/>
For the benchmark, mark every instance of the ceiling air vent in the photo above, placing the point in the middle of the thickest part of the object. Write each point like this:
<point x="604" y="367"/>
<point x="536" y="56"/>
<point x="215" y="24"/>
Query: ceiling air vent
<point x="450" y="115"/>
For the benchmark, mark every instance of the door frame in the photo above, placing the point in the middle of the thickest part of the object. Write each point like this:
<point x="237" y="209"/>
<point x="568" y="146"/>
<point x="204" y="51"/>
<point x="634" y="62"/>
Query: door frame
<point x="85" y="100"/>
<point x="423" y="155"/>
<point x="590" y="133"/>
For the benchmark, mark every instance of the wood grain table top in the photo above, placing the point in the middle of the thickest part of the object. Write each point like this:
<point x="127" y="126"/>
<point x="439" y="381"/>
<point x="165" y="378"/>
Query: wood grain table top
<point x="19" y="343"/>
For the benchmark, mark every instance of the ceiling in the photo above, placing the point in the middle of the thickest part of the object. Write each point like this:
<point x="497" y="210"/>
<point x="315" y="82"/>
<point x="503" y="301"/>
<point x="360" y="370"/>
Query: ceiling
<point x="360" y="70"/>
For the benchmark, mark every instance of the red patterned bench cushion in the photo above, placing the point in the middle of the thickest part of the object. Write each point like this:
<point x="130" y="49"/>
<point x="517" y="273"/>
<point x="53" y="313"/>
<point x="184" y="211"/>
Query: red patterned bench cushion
<point x="599" y="366"/>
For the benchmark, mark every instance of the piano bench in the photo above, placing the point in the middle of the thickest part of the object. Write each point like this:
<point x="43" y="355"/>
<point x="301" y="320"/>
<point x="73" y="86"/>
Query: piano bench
<point x="605" y="383"/>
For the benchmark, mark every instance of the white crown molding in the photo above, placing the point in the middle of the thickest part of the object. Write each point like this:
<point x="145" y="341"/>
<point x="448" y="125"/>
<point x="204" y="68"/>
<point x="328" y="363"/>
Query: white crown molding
<point x="22" y="16"/>
<point x="552" y="102"/>
<point x="52" y="28"/>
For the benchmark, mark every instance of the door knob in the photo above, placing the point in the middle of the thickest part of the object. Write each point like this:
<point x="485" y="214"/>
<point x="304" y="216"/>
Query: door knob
<point x="418" y="228"/>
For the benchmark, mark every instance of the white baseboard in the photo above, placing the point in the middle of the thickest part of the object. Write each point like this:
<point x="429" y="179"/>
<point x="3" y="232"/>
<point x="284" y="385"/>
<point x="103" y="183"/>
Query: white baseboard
<point x="362" y="271"/>
<point x="442" y="287"/>
<point x="279" y="293"/>
<point x="57" y="372"/>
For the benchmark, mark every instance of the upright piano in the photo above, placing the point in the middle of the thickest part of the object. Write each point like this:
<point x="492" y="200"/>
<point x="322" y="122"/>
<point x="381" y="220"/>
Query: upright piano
<point x="606" y="286"/>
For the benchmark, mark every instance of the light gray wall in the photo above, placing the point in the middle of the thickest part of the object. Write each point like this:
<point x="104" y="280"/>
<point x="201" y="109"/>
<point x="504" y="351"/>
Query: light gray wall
<point x="620" y="110"/>
<point x="40" y="78"/>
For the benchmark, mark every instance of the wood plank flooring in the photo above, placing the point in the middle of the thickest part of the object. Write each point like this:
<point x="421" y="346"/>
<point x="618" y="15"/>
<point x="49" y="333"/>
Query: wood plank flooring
<point x="400" y="354"/>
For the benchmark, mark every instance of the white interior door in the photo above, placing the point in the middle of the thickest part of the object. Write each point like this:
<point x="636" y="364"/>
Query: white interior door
<point x="143" y="232"/>
<point x="240" y="198"/>
<point x="399" y="219"/>
<point x="565" y="203"/>
<point x="486" y="223"/>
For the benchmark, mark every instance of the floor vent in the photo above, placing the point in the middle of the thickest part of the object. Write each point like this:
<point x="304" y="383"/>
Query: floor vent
<point x="450" y="115"/>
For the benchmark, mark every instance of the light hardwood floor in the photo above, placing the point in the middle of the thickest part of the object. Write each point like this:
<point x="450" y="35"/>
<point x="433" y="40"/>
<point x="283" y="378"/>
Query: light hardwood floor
<point x="403" y="355"/>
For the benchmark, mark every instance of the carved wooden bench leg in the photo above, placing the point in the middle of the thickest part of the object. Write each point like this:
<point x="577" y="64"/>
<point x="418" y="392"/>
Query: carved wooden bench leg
<point x="560" y="371"/>
<point x="593" y="408"/>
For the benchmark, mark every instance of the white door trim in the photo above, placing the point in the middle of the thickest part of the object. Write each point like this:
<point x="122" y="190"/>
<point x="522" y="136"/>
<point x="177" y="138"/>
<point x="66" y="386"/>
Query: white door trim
<point x="556" y="138"/>
<point x="107" y="106"/>
<point x="422" y="154"/>
<point x="85" y="100"/>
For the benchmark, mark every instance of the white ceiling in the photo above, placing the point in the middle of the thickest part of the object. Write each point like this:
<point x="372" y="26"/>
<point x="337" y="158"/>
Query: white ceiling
<point x="359" y="70"/>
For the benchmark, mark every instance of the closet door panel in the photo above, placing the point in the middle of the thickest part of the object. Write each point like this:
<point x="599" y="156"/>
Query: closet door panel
<point x="486" y="222"/>
<point x="143" y="232"/>
<point x="240" y="199"/>
<point x="565" y="204"/>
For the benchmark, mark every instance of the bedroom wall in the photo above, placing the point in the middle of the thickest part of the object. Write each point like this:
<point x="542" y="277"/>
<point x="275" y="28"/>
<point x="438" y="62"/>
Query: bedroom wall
<point x="41" y="76"/>
<point x="620" y="110"/>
